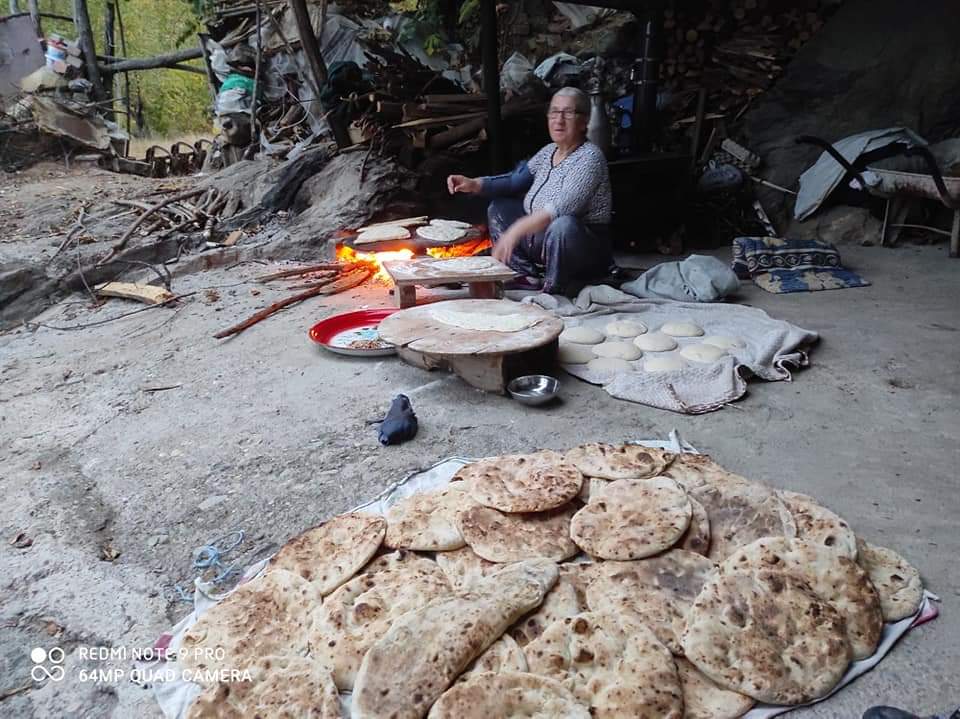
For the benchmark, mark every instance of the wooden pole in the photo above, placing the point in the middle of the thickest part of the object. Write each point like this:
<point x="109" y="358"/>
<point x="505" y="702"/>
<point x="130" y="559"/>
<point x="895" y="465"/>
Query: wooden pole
<point x="308" y="41"/>
<point x="126" y="75"/>
<point x="110" y="48"/>
<point x="14" y="7"/>
<point x="85" y="31"/>
<point x="256" y="76"/>
<point x="491" y="82"/>
<point x="35" y="16"/>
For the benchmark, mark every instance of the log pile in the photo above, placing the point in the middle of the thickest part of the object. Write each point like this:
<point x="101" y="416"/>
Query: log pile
<point x="735" y="49"/>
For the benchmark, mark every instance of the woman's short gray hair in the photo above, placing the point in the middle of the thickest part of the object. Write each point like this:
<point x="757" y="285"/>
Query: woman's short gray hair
<point x="580" y="99"/>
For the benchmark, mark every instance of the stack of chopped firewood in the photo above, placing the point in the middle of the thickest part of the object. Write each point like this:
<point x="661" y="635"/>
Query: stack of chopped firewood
<point x="736" y="49"/>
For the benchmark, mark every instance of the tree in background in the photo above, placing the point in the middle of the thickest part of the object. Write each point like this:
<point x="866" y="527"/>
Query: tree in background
<point x="174" y="102"/>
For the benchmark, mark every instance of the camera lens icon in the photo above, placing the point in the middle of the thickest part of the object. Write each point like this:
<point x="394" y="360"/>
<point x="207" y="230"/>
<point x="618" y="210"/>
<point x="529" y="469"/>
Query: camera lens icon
<point x="41" y="658"/>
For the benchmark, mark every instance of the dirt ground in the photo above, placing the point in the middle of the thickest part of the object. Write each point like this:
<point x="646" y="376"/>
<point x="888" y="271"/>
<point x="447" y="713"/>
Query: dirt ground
<point x="127" y="445"/>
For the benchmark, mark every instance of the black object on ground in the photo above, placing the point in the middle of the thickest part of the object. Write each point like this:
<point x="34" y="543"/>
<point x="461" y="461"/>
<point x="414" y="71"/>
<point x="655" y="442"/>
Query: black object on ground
<point x="400" y="424"/>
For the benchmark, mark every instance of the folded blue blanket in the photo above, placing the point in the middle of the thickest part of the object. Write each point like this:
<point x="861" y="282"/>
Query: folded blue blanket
<point x="780" y="266"/>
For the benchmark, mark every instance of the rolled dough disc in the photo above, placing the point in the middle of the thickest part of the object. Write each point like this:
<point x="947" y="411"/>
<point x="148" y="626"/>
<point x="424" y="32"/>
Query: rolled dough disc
<point x="440" y="222"/>
<point x="441" y="233"/>
<point x="617" y="350"/>
<point x="625" y="329"/>
<point x="483" y="322"/>
<point x="724" y="342"/>
<point x="681" y="329"/>
<point x="702" y="353"/>
<point x="664" y="363"/>
<point x="655" y="342"/>
<point x="571" y="353"/>
<point x="467" y="264"/>
<point x="609" y="365"/>
<point x="382" y="234"/>
<point x="582" y="336"/>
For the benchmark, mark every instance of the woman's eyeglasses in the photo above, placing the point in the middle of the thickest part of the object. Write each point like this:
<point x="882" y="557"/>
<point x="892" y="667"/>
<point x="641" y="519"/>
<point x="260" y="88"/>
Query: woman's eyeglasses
<point x="565" y="114"/>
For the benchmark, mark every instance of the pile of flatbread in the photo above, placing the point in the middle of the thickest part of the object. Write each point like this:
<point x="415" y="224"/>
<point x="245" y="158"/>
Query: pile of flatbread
<point x="628" y="345"/>
<point x="607" y="581"/>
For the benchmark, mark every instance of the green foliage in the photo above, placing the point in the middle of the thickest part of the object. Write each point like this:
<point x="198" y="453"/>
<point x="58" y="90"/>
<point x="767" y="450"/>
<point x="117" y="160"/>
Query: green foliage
<point x="174" y="102"/>
<point x="428" y="21"/>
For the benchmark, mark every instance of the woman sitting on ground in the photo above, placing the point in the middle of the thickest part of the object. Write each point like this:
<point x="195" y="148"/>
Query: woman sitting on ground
<point x="560" y="229"/>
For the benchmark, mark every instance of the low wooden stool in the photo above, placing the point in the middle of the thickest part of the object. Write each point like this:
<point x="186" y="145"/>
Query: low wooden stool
<point x="484" y="276"/>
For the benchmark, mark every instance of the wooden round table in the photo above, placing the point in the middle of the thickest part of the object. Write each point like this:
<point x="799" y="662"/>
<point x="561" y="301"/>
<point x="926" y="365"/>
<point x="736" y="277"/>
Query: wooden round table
<point x="484" y="358"/>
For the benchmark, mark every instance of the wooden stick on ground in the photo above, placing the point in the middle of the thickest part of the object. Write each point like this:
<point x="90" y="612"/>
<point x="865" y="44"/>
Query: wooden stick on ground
<point x="346" y="282"/>
<point x="139" y="221"/>
<point x="303" y="271"/>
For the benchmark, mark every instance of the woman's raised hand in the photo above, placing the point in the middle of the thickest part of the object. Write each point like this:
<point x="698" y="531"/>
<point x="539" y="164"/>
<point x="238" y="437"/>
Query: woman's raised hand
<point x="461" y="183"/>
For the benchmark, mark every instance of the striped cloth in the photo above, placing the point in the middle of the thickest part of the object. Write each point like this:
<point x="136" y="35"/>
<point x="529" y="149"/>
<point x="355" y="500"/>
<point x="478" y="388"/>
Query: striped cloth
<point x="781" y="266"/>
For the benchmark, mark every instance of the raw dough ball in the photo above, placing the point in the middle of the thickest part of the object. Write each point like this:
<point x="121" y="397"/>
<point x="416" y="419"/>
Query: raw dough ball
<point x="655" y="342"/>
<point x="572" y="353"/>
<point x="663" y="363"/>
<point x="702" y="353"/>
<point x="581" y="336"/>
<point x="625" y="329"/>
<point x="618" y="350"/>
<point x="609" y="364"/>
<point x="681" y="329"/>
<point x="723" y="342"/>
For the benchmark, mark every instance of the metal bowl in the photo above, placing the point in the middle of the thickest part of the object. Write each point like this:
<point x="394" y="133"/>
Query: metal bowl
<point x="534" y="389"/>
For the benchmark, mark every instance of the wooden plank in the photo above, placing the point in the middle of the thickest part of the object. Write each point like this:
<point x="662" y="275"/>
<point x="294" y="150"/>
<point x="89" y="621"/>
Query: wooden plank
<point x="148" y="294"/>
<point x="433" y="121"/>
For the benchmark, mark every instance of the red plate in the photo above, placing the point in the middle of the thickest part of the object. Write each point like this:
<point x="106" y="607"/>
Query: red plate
<point x="335" y="333"/>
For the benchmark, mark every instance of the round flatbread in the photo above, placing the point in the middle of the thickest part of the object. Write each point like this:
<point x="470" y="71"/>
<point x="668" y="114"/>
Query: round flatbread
<point x="694" y="470"/>
<point x="427" y="521"/>
<point x="570" y="353"/>
<point x="425" y="650"/>
<point x="655" y="342"/>
<point x="464" y="568"/>
<point x="697" y="537"/>
<point x="504" y="655"/>
<point x="681" y="329"/>
<point x="609" y="365"/>
<point x="632" y="519"/>
<point x="508" y="695"/>
<point x="441" y="233"/>
<point x="766" y="635"/>
<point x="624" y="328"/>
<point x="382" y="234"/>
<point x="522" y="482"/>
<point x="817" y="523"/>
<point x="897" y="582"/>
<point x="582" y="335"/>
<point x="614" y="666"/>
<point x="724" y="342"/>
<point x="703" y="698"/>
<point x="467" y="264"/>
<point x="567" y="598"/>
<point x="328" y="555"/>
<point x="483" y="322"/>
<point x="617" y="350"/>
<point x="619" y="461"/>
<point x="500" y="537"/>
<point x="702" y="353"/>
<point x="741" y="513"/>
<point x="835" y="579"/>
<point x="282" y="686"/>
<point x="663" y="363"/>
<point x="267" y="616"/>
<point x="656" y="592"/>
<point x="355" y="616"/>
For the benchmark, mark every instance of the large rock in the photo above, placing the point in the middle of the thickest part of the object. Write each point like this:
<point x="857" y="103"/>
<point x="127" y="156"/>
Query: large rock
<point x="876" y="64"/>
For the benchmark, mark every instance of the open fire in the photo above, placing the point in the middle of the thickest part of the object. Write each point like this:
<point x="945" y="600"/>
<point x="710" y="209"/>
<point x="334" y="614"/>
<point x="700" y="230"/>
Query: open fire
<point x="463" y="249"/>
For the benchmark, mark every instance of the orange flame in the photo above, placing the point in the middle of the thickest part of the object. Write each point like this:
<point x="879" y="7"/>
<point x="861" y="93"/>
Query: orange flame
<point x="346" y="254"/>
